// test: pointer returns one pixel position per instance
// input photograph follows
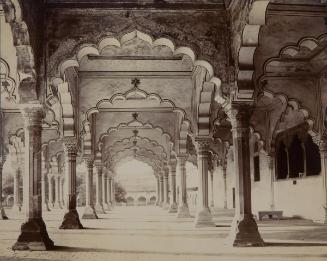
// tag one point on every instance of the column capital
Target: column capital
(270, 161)
(70, 146)
(181, 158)
(203, 145)
(240, 114)
(89, 162)
(172, 166)
(33, 114)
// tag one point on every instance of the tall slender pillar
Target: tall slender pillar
(244, 229)
(224, 169)
(271, 164)
(89, 211)
(212, 203)
(162, 191)
(34, 235)
(62, 191)
(158, 191)
(173, 200)
(104, 190)
(203, 215)
(166, 189)
(45, 206)
(109, 195)
(3, 215)
(51, 189)
(71, 218)
(98, 186)
(183, 210)
(323, 157)
(17, 197)
(57, 203)
(113, 192)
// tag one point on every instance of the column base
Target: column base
(45, 207)
(3, 215)
(16, 208)
(244, 233)
(89, 213)
(157, 203)
(165, 206)
(183, 212)
(204, 218)
(99, 209)
(173, 208)
(33, 236)
(71, 220)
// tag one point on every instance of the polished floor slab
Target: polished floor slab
(150, 233)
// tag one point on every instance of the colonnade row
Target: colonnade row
(34, 236)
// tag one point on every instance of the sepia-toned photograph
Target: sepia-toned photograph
(163, 130)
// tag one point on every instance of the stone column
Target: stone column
(158, 191)
(113, 199)
(104, 190)
(162, 191)
(212, 203)
(109, 180)
(34, 235)
(323, 156)
(98, 186)
(51, 196)
(71, 218)
(166, 189)
(45, 206)
(203, 216)
(62, 194)
(89, 211)
(57, 203)
(173, 200)
(271, 164)
(3, 215)
(224, 169)
(17, 197)
(183, 210)
(244, 229)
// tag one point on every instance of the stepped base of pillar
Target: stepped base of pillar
(204, 218)
(183, 212)
(16, 208)
(33, 236)
(71, 220)
(3, 215)
(244, 232)
(45, 207)
(89, 213)
(99, 209)
(173, 208)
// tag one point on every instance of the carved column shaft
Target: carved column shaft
(17, 196)
(323, 156)
(271, 164)
(183, 210)
(166, 189)
(244, 230)
(158, 190)
(89, 211)
(173, 199)
(162, 190)
(2, 211)
(109, 190)
(224, 169)
(104, 189)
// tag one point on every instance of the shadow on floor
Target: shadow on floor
(235, 254)
(294, 244)
(7, 258)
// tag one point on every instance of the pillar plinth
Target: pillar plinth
(173, 200)
(183, 210)
(244, 231)
(203, 216)
(71, 218)
(34, 235)
(89, 211)
(3, 215)
(98, 186)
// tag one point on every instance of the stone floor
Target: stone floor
(149, 233)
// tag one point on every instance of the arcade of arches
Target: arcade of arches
(237, 89)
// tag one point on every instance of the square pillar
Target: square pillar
(104, 190)
(98, 186)
(244, 230)
(17, 196)
(323, 158)
(183, 211)
(109, 181)
(34, 235)
(203, 216)
(158, 190)
(173, 199)
(71, 218)
(3, 215)
(89, 211)
(166, 189)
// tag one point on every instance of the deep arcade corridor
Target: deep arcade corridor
(224, 102)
